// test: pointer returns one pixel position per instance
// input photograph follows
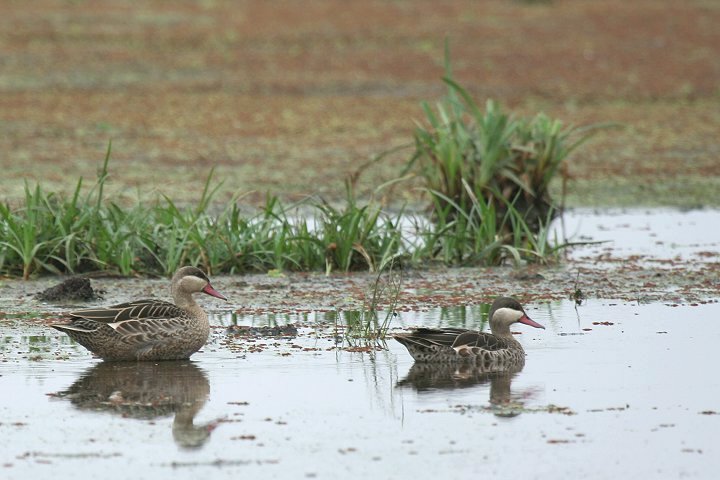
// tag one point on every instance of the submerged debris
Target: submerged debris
(289, 330)
(74, 288)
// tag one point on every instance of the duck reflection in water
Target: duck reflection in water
(147, 391)
(431, 377)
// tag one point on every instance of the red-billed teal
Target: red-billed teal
(147, 329)
(496, 350)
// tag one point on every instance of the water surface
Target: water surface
(609, 389)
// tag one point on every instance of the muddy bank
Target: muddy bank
(421, 289)
(666, 256)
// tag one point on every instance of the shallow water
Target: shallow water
(593, 400)
(653, 234)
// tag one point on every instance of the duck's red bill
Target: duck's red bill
(527, 321)
(211, 291)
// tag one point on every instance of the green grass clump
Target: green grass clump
(459, 236)
(500, 158)
(53, 234)
(358, 237)
(488, 175)
(48, 233)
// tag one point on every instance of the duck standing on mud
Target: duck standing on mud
(147, 329)
(496, 350)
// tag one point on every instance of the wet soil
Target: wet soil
(73, 288)
(644, 256)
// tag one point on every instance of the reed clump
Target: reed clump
(487, 174)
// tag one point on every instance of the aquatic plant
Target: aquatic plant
(488, 174)
(372, 321)
(358, 237)
(50, 233)
(22, 243)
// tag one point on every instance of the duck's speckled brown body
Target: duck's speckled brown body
(147, 329)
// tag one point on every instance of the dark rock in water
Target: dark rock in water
(74, 288)
(526, 276)
(277, 331)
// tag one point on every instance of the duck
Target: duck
(494, 351)
(150, 329)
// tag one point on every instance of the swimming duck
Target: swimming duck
(496, 350)
(147, 329)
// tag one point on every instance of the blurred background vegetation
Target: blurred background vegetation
(291, 97)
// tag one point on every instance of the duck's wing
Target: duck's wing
(149, 332)
(140, 321)
(138, 310)
(485, 341)
(438, 337)
(451, 337)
